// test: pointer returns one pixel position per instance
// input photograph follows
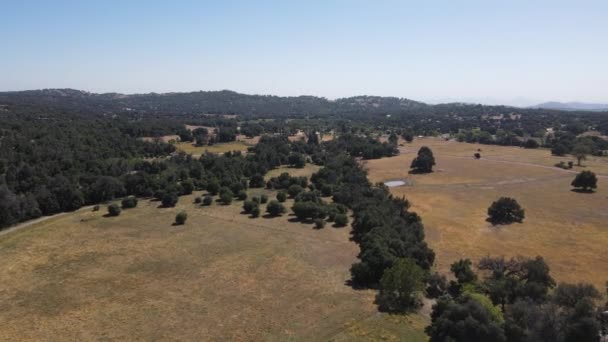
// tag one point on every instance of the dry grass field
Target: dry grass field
(190, 148)
(569, 229)
(221, 276)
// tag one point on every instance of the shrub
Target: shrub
(207, 200)
(114, 209)
(477, 155)
(181, 217)
(198, 200)
(505, 210)
(341, 220)
(226, 197)
(169, 199)
(248, 206)
(242, 195)
(96, 207)
(129, 202)
(256, 199)
(255, 212)
(275, 208)
(263, 198)
(281, 196)
(319, 223)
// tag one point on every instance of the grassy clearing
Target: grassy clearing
(567, 228)
(190, 148)
(307, 171)
(221, 276)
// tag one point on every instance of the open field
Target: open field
(569, 229)
(221, 276)
(190, 148)
(307, 171)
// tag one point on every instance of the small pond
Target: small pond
(394, 183)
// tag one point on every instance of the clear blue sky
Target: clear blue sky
(514, 52)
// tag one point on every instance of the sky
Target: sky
(493, 52)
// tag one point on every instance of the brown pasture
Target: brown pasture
(569, 229)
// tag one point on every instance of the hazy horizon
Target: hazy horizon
(515, 53)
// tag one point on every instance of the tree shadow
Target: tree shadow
(418, 172)
(583, 191)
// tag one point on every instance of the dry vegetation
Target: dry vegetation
(567, 228)
(190, 148)
(221, 276)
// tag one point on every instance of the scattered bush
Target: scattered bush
(477, 155)
(207, 200)
(255, 212)
(242, 195)
(169, 199)
(129, 202)
(226, 197)
(96, 207)
(281, 196)
(181, 217)
(198, 200)
(249, 205)
(114, 209)
(319, 223)
(275, 208)
(263, 198)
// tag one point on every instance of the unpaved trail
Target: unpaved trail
(26, 224)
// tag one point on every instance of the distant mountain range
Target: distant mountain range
(573, 106)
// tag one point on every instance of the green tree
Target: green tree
(341, 220)
(580, 152)
(226, 197)
(586, 180)
(274, 208)
(424, 162)
(463, 272)
(463, 320)
(281, 196)
(169, 199)
(400, 286)
(294, 190)
(181, 217)
(114, 209)
(505, 210)
(207, 200)
(129, 202)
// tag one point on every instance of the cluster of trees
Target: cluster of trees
(364, 147)
(515, 300)
(382, 225)
(51, 166)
